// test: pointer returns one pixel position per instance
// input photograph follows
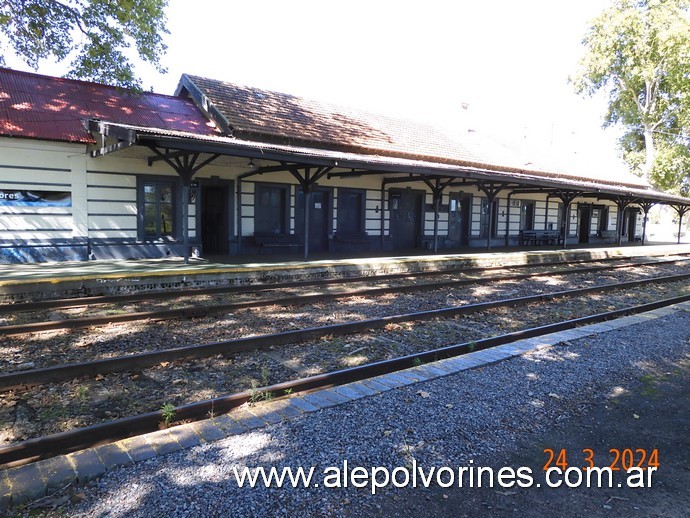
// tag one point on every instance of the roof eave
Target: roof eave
(383, 164)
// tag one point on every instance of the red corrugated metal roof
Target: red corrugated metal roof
(51, 108)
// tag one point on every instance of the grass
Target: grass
(257, 396)
(649, 385)
(81, 393)
(265, 375)
(168, 413)
(333, 344)
(54, 413)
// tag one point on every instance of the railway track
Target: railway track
(35, 448)
(44, 447)
(113, 340)
(46, 375)
(198, 311)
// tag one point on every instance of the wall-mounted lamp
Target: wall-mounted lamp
(251, 163)
(377, 209)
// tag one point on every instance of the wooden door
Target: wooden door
(214, 220)
(406, 218)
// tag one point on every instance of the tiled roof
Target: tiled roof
(255, 114)
(51, 108)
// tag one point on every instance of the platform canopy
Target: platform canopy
(174, 144)
(287, 133)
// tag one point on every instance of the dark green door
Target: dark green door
(214, 220)
(319, 219)
(459, 206)
(406, 218)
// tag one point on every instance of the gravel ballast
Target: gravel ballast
(44, 410)
(469, 417)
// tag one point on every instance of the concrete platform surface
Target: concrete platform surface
(34, 281)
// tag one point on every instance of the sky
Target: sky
(507, 61)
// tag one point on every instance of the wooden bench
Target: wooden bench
(266, 241)
(540, 237)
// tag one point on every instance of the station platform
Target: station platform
(36, 281)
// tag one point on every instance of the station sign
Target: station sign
(35, 198)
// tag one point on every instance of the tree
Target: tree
(95, 34)
(638, 51)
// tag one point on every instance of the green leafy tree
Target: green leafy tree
(94, 34)
(638, 51)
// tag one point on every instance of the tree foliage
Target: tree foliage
(94, 34)
(638, 51)
(671, 168)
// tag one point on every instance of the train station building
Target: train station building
(89, 172)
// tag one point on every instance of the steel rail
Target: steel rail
(43, 447)
(76, 302)
(45, 375)
(217, 309)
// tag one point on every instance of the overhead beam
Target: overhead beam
(167, 155)
(116, 132)
(123, 144)
(354, 173)
(125, 137)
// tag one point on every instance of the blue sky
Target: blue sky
(508, 60)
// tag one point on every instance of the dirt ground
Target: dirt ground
(652, 413)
